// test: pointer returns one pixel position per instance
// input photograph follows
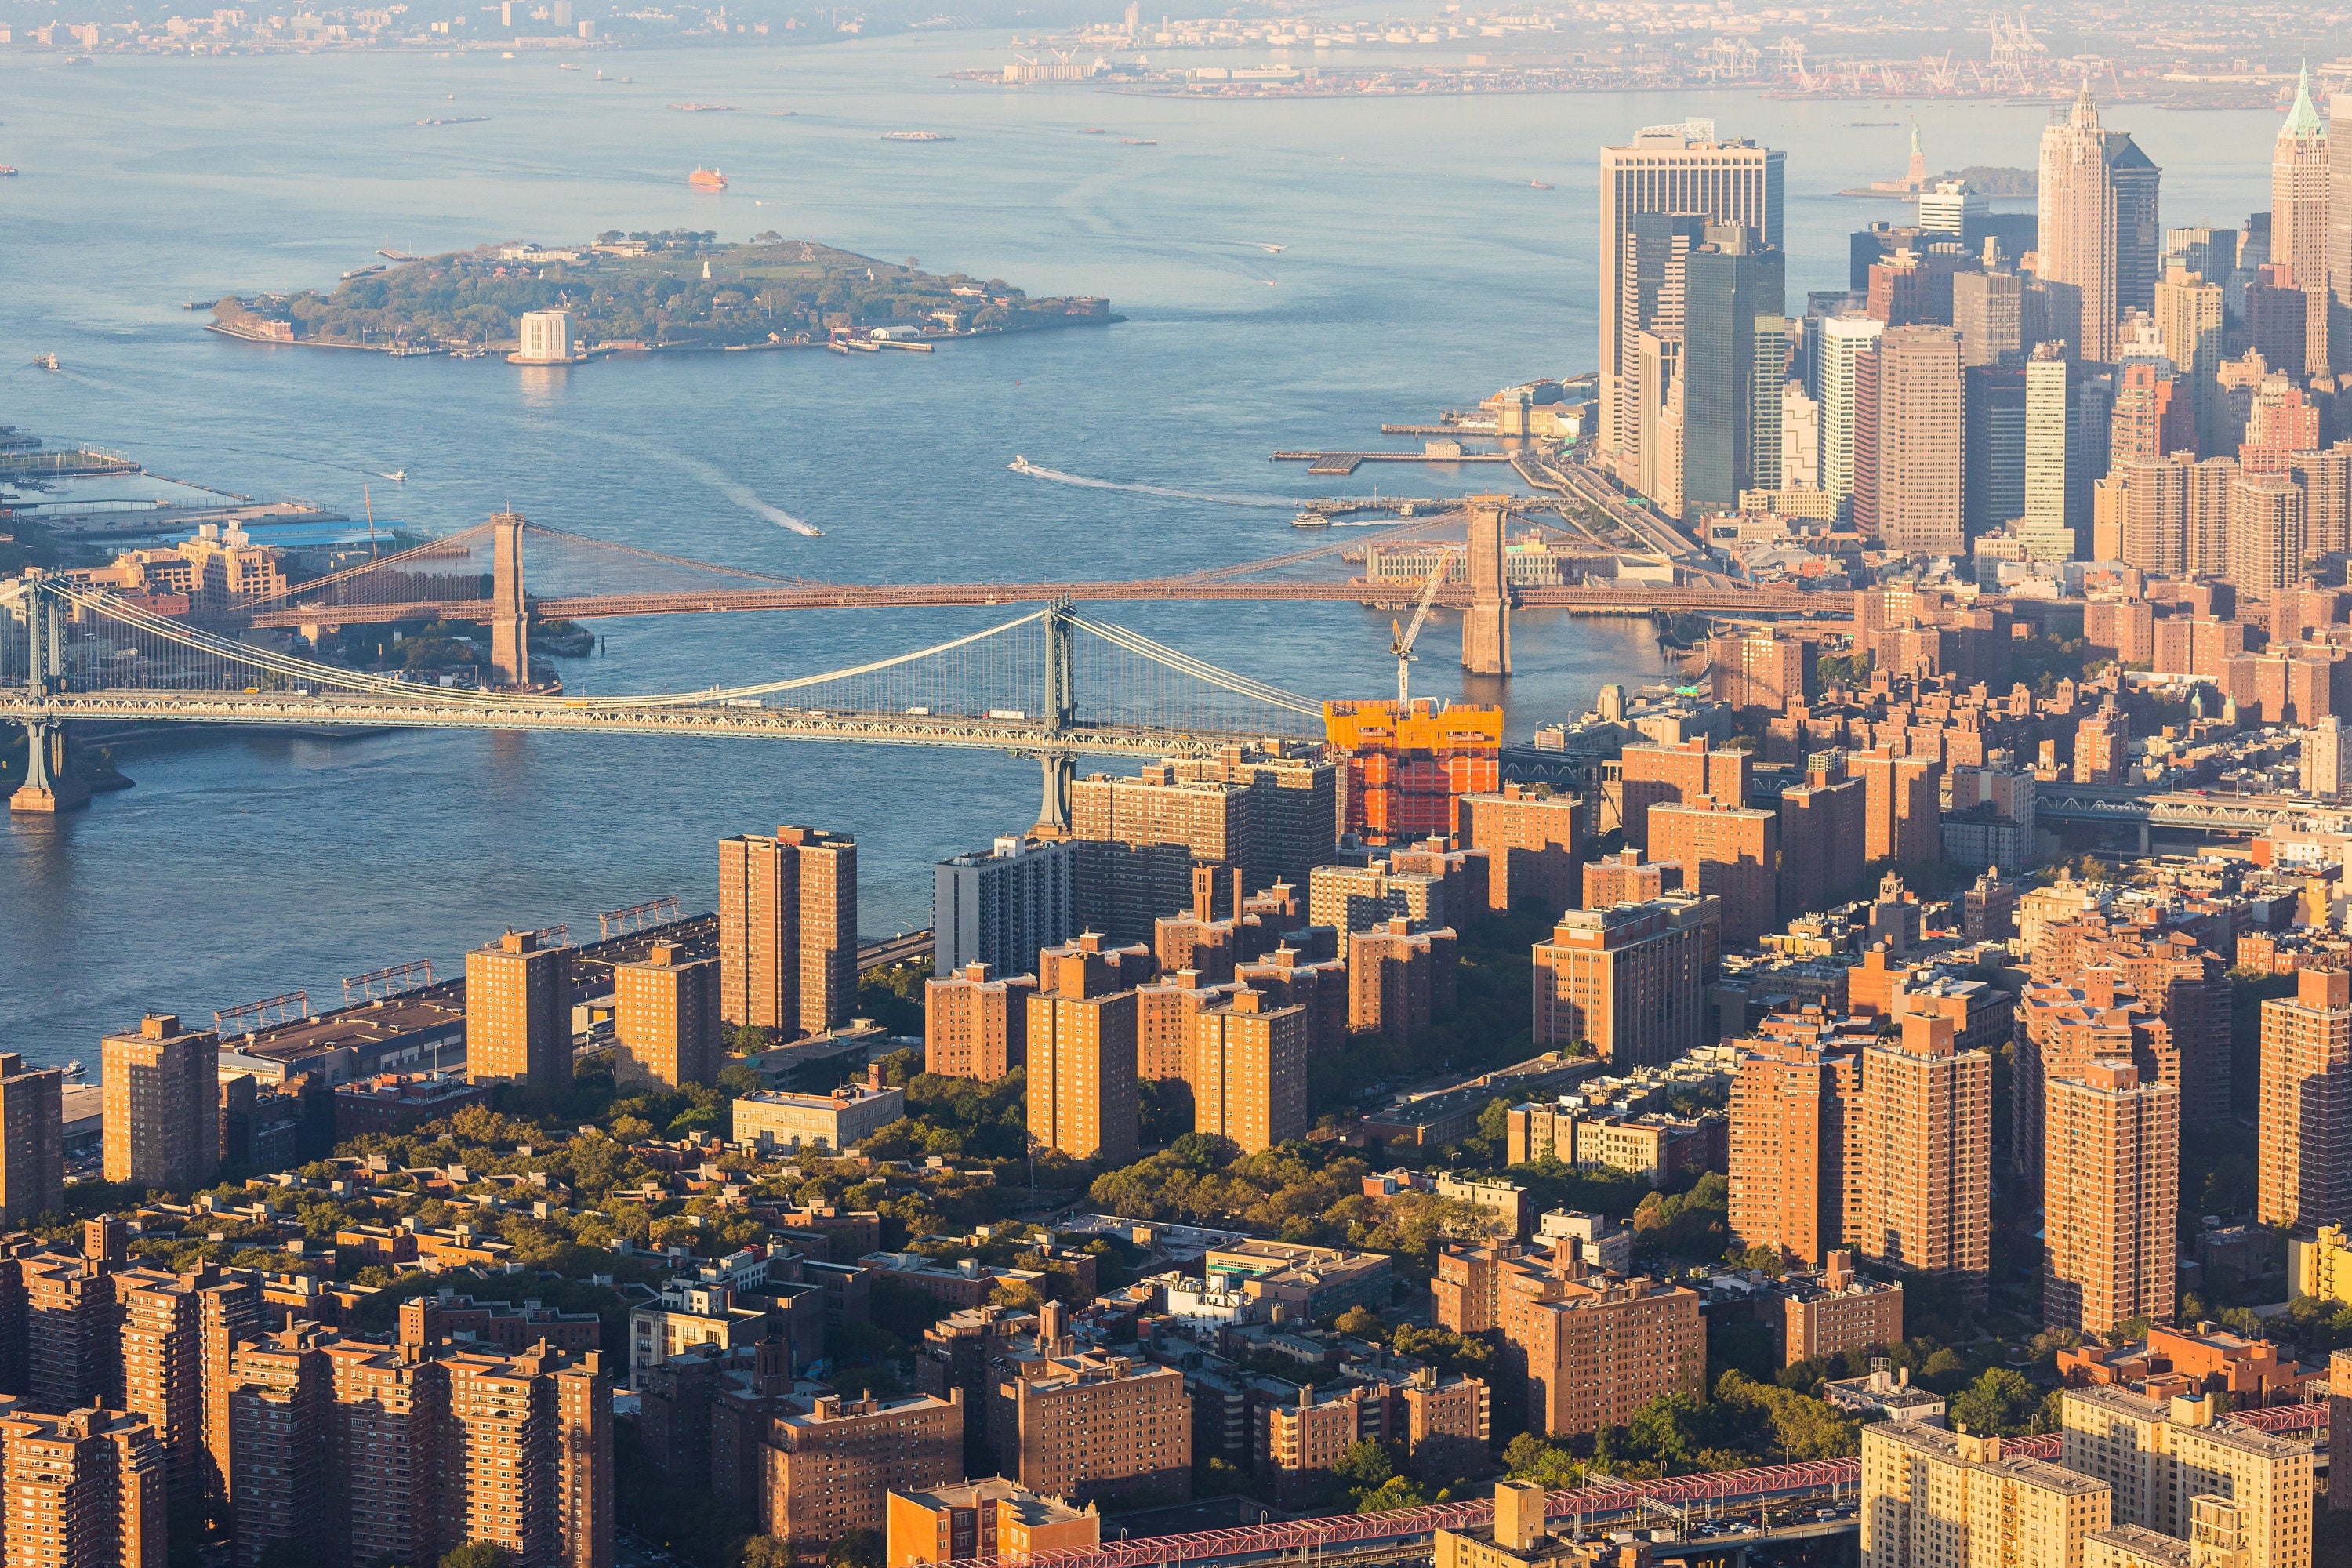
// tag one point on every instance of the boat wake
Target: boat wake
(1059, 478)
(742, 495)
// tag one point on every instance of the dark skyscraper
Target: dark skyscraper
(1729, 284)
(1993, 490)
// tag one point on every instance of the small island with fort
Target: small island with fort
(676, 291)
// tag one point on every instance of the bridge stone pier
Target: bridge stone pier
(1486, 620)
(49, 784)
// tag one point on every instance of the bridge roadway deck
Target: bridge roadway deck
(2180, 809)
(1630, 599)
(590, 715)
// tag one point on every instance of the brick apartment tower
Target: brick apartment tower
(1759, 673)
(2303, 1156)
(1792, 1129)
(2111, 1195)
(976, 1026)
(32, 1140)
(1677, 775)
(85, 1490)
(1625, 879)
(530, 1456)
(1920, 1195)
(788, 930)
(73, 1334)
(390, 1429)
(162, 1097)
(161, 1364)
(1821, 837)
(829, 1471)
(1398, 978)
(1093, 1426)
(1249, 1072)
(665, 1018)
(1901, 812)
(519, 1013)
(1732, 856)
(1630, 980)
(1487, 622)
(1534, 844)
(281, 1411)
(1082, 1093)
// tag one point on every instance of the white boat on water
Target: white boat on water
(1019, 465)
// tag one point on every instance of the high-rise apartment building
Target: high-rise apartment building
(1081, 1057)
(1792, 1124)
(530, 1456)
(1900, 803)
(1732, 856)
(829, 1471)
(1932, 1498)
(160, 1091)
(1090, 1425)
(1628, 979)
(161, 1364)
(665, 1022)
(1003, 905)
(1843, 341)
(2304, 1156)
(1534, 844)
(1760, 673)
(2300, 235)
(1669, 169)
(519, 1012)
(85, 1490)
(1822, 828)
(788, 930)
(73, 1332)
(2053, 524)
(390, 1430)
(2189, 321)
(1249, 1071)
(1398, 978)
(2167, 1459)
(1913, 501)
(1920, 1191)
(32, 1140)
(2326, 758)
(281, 1411)
(2111, 1195)
(975, 1025)
(1685, 774)
(2266, 533)
(1594, 1348)
(1298, 792)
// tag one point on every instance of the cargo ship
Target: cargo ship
(704, 179)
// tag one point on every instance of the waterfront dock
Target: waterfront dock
(1349, 462)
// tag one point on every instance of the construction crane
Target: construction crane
(1401, 641)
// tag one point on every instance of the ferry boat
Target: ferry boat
(704, 179)
(1311, 519)
(7, 170)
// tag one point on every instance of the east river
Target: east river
(1419, 268)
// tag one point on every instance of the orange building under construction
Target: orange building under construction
(1407, 767)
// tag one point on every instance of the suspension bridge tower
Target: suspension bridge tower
(510, 616)
(1486, 623)
(1060, 711)
(50, 785)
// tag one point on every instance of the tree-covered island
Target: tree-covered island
(679, 289)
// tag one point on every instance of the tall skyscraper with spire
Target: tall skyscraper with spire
(2299, 216)
(2100, 233)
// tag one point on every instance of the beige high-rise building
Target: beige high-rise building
(2049, 530)
(665, 1018)
(1683, 169)
(788, 930)
(2188, 320)
(1919, 424)
(1249, 1071)
(2266, 533)
(1081, 1048)
(519, 1013)
(2304, 1154)
(1938, 1498)
(2111, 1196)
(2162, 1459)
(1920, 1189)
(32, 1140)
(2153, 498)
(2299, 216)
(160, 1092)
(1843, 341)
(2076, 244)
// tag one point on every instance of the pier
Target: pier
(1349, 462)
